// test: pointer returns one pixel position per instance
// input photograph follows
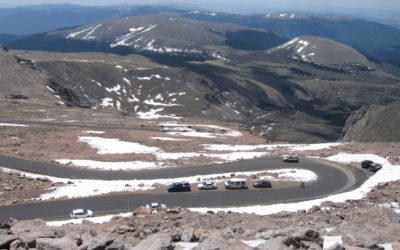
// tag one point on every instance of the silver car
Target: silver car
(207, 185)
(81, 213)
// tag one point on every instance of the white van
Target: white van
(236, 184)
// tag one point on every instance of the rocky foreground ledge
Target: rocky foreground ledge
(362, 224)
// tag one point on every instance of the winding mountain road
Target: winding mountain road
(331, 179)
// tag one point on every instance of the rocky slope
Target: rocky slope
(293, 92)
(351, 222)
(373, 123)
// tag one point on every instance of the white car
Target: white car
(156, 205)
(236, 184)
(207, 185)
(81, 213)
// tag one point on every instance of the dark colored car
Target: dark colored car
(291, 158)
(375, 167)
(179, 187)
(262, 184)
(366, 163)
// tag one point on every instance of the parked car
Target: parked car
(366, 163)
(81, 213)
(179, 187)
(207, 185)
(156, 205)
(372, 166)
(263, 183)
(375, 167)
(291, 158)
(236, 184)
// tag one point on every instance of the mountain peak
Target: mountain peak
(322, 51)
(3, 48)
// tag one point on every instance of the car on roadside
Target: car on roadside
(236, 184)
(372, 166)
(179, 187)
(156, 206)
(366, 163)
(207, 185)
(375, 167)
(262, 183)
(81, 213)
(291, 158)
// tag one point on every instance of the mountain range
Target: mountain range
(169, 66)
(366, 36)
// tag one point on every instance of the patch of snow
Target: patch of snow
(12, 125)
(186, 245)
(330, 229)
(153, 103)
(94, 132)
(52, 90)
(253, 243)
(153, 114)
(107, 102)
(392, 205)
(292, 147)
(386, 246)
(90, 30)
(168, 139)
(330, 241)
(304, 43)
(96, 219)
(104, 165)
(127, 81)
(147, 78)
(115, 89)
(87, 36)
(115, 146)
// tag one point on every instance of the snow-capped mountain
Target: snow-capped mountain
(322, 52)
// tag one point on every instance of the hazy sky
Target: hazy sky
(244, 5)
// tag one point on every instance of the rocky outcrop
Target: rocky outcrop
(373, 123)
(55, 244)
(31, 230)
(155, 241)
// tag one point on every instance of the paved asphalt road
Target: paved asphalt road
(331, 180)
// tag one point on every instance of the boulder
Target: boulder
(176, 235)
(308, 235)
(188, 235)
(216, 243)
(142, 212)
(55, 244)
(361, 228)
(272, 244)
(156, 242)
(30, 230)
(16, 245)
(6, 239)
(268, 234)
(100, 243)
(311, 245)
(119, 244)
